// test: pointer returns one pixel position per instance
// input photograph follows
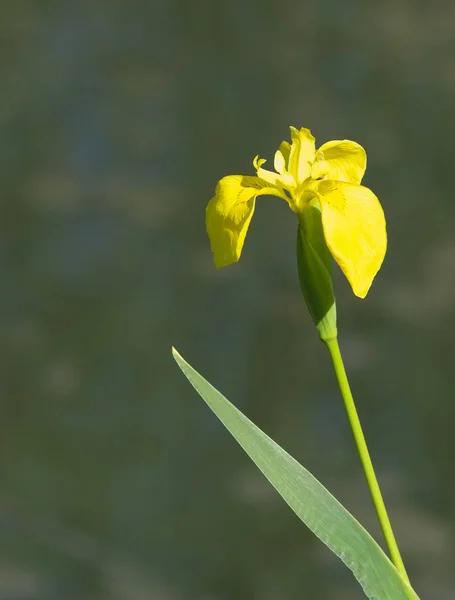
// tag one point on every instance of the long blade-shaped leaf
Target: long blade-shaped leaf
(308, 498)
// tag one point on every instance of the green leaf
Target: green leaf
(308, 498)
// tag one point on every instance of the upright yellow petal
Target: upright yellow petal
(355, 231)
(281, 162)
(340, 160)
(229, 213)
(301, 155)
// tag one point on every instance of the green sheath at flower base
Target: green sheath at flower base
(315, 266)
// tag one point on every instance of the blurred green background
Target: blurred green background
(117, 119)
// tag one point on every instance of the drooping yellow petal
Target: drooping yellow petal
(229, 213)
(301, 155)
(340, 160)
(354, 230)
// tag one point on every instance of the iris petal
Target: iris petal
(301, 155)
(229, 213)
(281, 162)
(340, 160)
(269, 176)
(355, 231)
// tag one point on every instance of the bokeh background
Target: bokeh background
(116, 121)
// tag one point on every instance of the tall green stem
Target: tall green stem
(362, 448)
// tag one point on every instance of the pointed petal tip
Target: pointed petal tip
(361, 288)
(360, 293)
(225, 260)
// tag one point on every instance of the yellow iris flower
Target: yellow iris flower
(328, 179)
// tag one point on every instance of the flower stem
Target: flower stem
(362, 449)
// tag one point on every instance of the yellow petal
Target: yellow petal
(229, 213)
(340, 160)
(268, 176)
(282, 158)
(355, 231)
(302, 152)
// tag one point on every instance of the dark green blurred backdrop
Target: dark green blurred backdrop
(116, 121)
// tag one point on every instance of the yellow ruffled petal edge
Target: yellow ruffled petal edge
(355, 231)
(229, 213)
(340, 160)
